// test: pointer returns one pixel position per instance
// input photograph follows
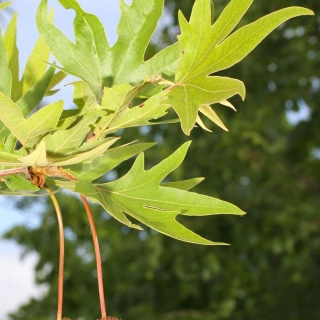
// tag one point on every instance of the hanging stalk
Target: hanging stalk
(61, 251)
(98, 257)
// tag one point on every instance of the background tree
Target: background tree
(267, 165)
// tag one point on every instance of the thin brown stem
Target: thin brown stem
(61, 252)
(9, 172)
(98, 257)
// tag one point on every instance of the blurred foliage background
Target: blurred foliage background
(268, 164)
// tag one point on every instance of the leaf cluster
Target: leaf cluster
(118, 89)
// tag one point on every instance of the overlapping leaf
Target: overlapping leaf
(139, 195)
(29, 131)
(94, 61)
(69, 140)
(97, 167)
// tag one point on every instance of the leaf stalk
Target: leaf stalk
(98, 257)
(61, 252)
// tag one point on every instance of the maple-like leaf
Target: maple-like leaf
(93, 60)
(207, 48)
(140, 195)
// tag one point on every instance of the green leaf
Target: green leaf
(89, 145)
(99, 166)
(92, 59)
(83, 97)
(37, 158)
(18, 183)
(32, 98)
(153, 108)
(228, 20)
(10, 42)
(244, 40)
(5, 79)
(84, 59)
(4, 132)
(29, 131)
(56, 79)
(77, 158)
(199, 37)
(135, 29)
(10, 160)
(182, 185)
(186, 98)
(5, 4)
(203, 51)
(36, 65)
(208, 112)
(139, 195)
(68, 117)
(117, 98)
(165, 63)
(64, 141)
(116, 101)
(7, 146)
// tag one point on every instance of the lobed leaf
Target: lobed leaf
(203, 51)
(187, 97)
(243, 41)
(92, 59)
(84, 58)
(136, 27)
(139, 195)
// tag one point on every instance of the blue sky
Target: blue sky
(16, 276)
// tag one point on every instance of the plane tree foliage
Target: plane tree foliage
(150, 276)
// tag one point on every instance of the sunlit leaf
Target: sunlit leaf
(36, 65)
(64, 141)
(139, 195)
(5, 79)
(203, 51)
(77, 158)
(36, 158)
(29, 131)
(182, 185)
(94, 169)
(34, 95)
(10, 42)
